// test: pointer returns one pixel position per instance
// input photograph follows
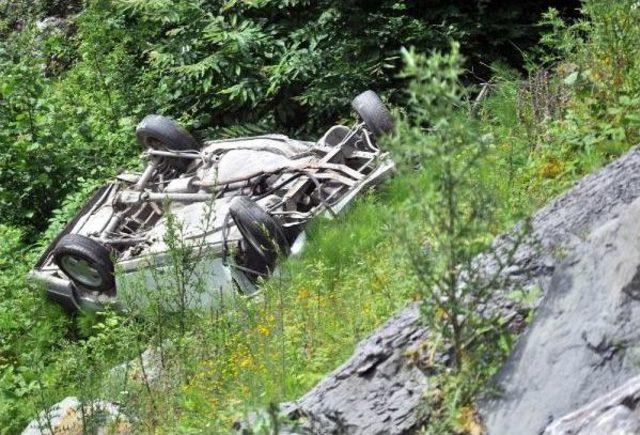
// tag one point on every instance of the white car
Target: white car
(238, 203)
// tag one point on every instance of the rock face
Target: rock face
(615, 413)
(379, 390)
(585, 338)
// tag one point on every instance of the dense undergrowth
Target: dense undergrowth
(574, 109)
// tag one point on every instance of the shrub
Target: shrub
(601, 68)
(453, 221)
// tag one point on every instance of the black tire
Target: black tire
(264, 237)
(164, 134)
(93, 266)
(373, 112)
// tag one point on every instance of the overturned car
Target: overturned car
(244, 202)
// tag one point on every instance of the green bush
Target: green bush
(600, 67)
(57, 129)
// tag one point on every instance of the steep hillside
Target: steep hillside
(70, 106)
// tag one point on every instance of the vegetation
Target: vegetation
(71, 96)
(72, 91)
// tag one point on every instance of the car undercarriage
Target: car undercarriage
(243, 201)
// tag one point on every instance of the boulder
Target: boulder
(615, 412)
(52, 24)
(583, 341)
(145, 369)
(378, 391)
(71, 417)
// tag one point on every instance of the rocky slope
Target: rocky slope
(584, 340)
(578, 348)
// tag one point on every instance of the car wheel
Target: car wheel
(373, 112)
(87, 262)
(164, 134)
(264, 238)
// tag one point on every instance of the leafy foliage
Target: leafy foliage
(53, 130)
(453, 221)
(459, 209)
(604, 72)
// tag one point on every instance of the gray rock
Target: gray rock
(582, 341)
(147, 368)
(380, 389)
(52, 24)
(617, 412)
(70, 417)
(105, 417)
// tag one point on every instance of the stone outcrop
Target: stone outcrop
(585, 339)
(379, 390)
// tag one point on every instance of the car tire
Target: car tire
(164, 134)
(86, 262)
(374, 113)
(264, 238)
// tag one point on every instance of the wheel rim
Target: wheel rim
(81, 270)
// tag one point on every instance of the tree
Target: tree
(439, 136)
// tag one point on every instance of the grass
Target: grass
(274, 348)
(352, 276)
